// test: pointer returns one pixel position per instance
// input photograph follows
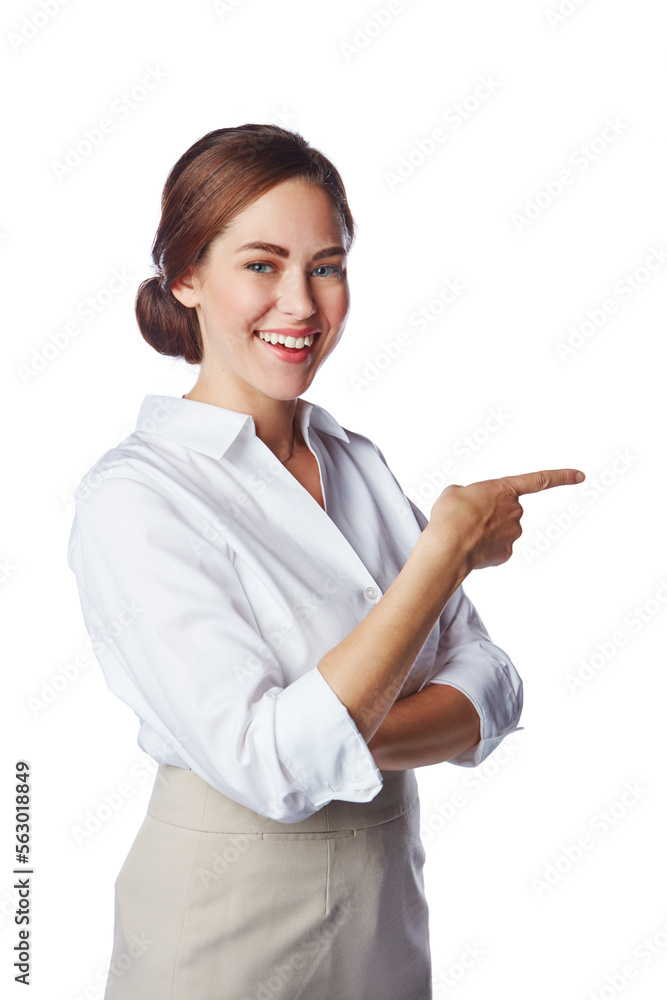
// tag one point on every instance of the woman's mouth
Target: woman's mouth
(285, 347)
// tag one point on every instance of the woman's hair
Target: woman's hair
(215, 179)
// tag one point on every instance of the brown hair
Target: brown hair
(215, 179)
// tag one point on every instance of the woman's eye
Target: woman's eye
(256, 264)
(338, 270)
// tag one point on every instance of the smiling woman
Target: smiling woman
(236, 194)
(304, 640)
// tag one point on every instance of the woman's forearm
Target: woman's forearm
(434, 724)
(368, 668)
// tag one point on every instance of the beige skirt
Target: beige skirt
(215, 902)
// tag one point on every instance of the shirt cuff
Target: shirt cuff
(498, 698)
(320, 745)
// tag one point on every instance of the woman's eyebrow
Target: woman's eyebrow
(278, 251)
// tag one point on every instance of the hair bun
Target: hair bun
(169, 327)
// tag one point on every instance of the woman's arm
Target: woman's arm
(428, 727)
(471, 527)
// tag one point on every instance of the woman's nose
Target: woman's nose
(295, 296)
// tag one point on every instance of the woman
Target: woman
(289, 628)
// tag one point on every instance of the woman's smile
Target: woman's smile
(288, 345)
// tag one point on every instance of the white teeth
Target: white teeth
(279, 338)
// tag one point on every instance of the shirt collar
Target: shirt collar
(211, 429)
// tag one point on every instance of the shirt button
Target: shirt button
(371, 593)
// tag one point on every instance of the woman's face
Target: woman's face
(293, 283)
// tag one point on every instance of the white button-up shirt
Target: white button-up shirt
(212, 583)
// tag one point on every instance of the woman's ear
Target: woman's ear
(186, 288)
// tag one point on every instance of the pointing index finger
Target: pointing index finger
(534, 482)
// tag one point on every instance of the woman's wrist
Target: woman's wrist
(448, 550)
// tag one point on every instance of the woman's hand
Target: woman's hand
(482, 519)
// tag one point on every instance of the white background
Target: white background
(499, 881)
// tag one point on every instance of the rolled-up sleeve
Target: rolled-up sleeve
(467, 659)
(175, 635)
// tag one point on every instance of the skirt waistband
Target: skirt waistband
(181, 797)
